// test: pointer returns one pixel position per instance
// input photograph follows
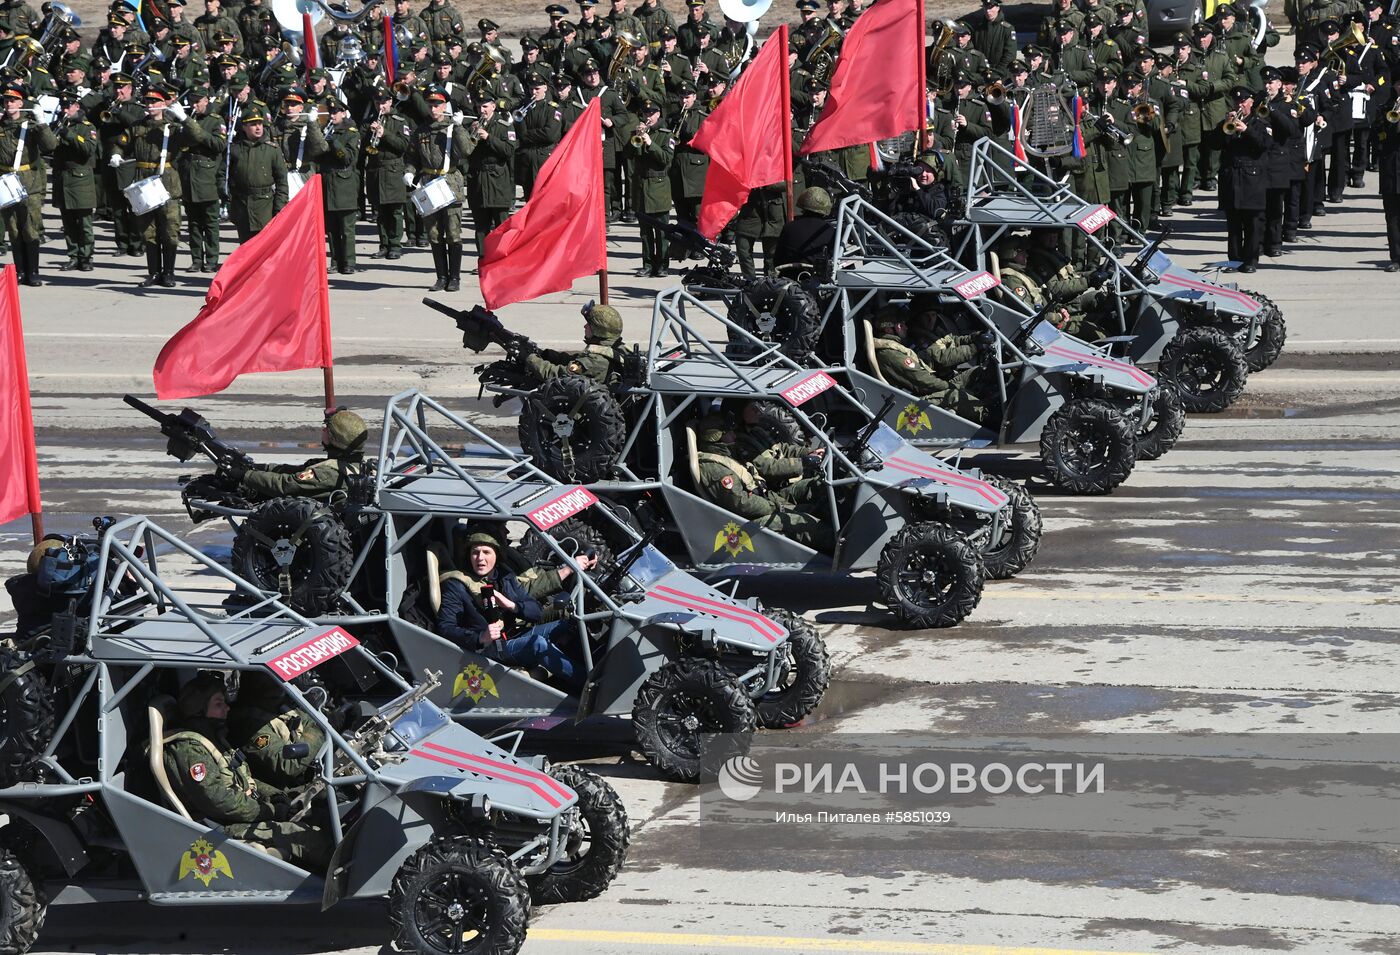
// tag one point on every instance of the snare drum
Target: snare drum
(295, 182)
(146, 195)
(433, 196)
(12, 191)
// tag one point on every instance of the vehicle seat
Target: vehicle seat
(692, 456)
(994, 261)
(867, 337)
(158, 713)
(431, 568)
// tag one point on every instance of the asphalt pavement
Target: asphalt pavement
(1243, 584)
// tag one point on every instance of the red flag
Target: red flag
(560, 233)
(739, 137)
(268, 309)
(877, 91)
(19, 464)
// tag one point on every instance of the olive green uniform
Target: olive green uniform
(154, 147)
(315, 478)
(384, 185)
(23, 145)
(599, 361)
(538, 132)
(689, 167)
(761, 218)
(1072, 293)
(75, 189)
(777, 462)
(902, 367)
(212, 780)
(114, 122)
(735, 487)
(651, 193)
(340, 184)
(491, 177)
(1209, 84)
(201, 167)
(257, 185)
(263, 735)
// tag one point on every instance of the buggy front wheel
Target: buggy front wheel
(1007, 556)
(930, 576)
(682, 703)
(1089, 446)
(1165, 421)
(803, 676)
(21, 906)
(596, 848)
(1207, 366)
(459, 895)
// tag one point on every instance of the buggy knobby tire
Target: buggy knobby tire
(1020, 536)
(21, 906)
(322, 558)
(681, 703)
(1089, 446)
(487, 890)
(924, 227)
(777, 419)
(596, 850)
(26, 717)
(1268, 341)
(803, 678)
(1168, 418)
(779, 310)
(573, 429)
(930, 576)
(538, 553)
(1207, 367)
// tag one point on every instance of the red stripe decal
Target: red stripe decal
(689, 605)
(760, 619)
(1200, 286)
(985, 490)
(547, 779)
(535, 787)
(1132, 371)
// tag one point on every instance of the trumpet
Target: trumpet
(1234, 124)
(520, 112)
(995, 93)
(639, 135)
(402, 90)
(1146, 114)
(1106, 125)
(1262, 111)
(1392, 116)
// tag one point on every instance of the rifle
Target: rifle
(480, 328)
(857, 449)
(367, 742)
(190, 434)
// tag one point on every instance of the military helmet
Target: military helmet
(815, 199)
(712, 428)
(40, 549)
(258, 687)
(195, 695)
(888, 317)
(345, 431)
(470, 535)
(605, 322)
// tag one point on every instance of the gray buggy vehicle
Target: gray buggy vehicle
(1094, 416)
(458, 834)
(930, 531)
(1204, 336)
(678, 657)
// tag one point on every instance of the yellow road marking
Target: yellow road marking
(781, 943)
(1130, 595)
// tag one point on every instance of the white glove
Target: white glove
(458, 119)
(115, 161)
(408, 179)
(176, 112)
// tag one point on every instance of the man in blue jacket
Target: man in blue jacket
(483, 606)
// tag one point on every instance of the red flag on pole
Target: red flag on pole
(743, 137)
(561, 232)
(308, 44)
(877, 91)
(19, 463)
(268, 309)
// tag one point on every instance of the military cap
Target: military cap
(253, 114)
(890, 316)
(100, 64)
(222, 37)
(990, 3)
(435, 94)
(589, 66)
(1064, 26)
(442, 59)
(475, 49)
(1305, 53)
(694, 3)
(808, 5)
(175, 3)
(686, 88)
(1202, 29)
(647, 106)
(1330, 25)
(566, 29)
(473, 535)
(1132, 78)
(179, 40)
(121, 6)
(228, 59)
(562, 80)
(665, 33)
(964, 79)
(1123, 9)
(198, 93)
(337, 106)
(383, 94)
(534, 78)
(1375, 4)
(454, 41)
(1019, 65)
(960, 28)
(528, 43)
(1144, 52)
(156, 92)
(158, 23)
(587, 3)
(1289, 74)
(1241, 93)
(294, 94)
(78, 61)
(1031, 50)
(1103, 74)
(13, 91)
(1225, 10)
(1181, 40)
(486, 26)
(113, 20)
(1269, 74)
(196, 694)
(715, 79)
(121, 79)
(556, 10)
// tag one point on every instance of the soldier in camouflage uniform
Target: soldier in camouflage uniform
(257, 177)
(734, 486)
(201, 167)
(340, 183)
(490, 176)
(902, 367)
(765, 450)
(1075, 299)
(23, 144)
(75, 182)
(262, 725)
(601, 358)
(344, 440)
(440, 148)
(212, 780)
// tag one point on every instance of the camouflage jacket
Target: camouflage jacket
(211, 777)
(314, 478)
(262, 735)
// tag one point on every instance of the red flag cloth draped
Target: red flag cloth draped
(268, 308)
(877, 91)
(561, 232)
(19, 464)
(743, 137)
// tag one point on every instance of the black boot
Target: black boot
(167, 271)
(31, 278)
(440, 265)
(454, 267)
(152, 266)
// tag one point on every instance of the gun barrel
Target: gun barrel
(155, 414)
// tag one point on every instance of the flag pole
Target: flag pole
(603, 230)
(328, 369)
(921, 89)
(786, 93)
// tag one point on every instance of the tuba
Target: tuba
(288, 13)
(820, 57)
(626, 43)
(748, 13)
(59, 15)
(1335, 59)
(942, 68)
